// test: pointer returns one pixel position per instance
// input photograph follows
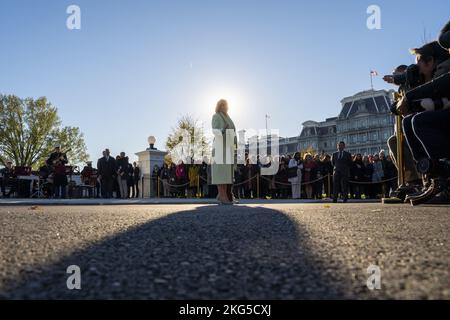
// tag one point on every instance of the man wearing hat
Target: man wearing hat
(6, 174)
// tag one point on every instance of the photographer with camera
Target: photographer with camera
(426, 128)
(409, 180)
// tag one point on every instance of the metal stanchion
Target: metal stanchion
(198, 187)
(398, 196)
(158, 192)
(257, 185)
(329, 185)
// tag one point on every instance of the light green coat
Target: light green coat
(222, 173)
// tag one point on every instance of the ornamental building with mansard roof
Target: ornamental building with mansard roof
(364, 124)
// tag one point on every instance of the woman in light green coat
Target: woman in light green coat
(222, 168)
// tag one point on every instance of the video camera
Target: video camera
(411, 78)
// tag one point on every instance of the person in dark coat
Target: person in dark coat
(281, 180)
(106, 167)
(327, 170)
(58, 161)
(136, 175)
(130, 181)
(342, 162)
(203, 173)
(369, 187)
(358, 172)
(7, 174)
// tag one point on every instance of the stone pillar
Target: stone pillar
(147, 160)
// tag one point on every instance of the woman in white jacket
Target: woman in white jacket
(296, 181)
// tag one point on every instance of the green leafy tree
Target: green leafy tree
(29, 130)
(188, 137)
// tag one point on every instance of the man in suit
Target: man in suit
(342, 162)
(106, 167)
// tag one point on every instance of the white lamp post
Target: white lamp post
(151, 141)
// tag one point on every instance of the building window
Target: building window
(374, 136)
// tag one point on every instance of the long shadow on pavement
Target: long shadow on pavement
(210, 252)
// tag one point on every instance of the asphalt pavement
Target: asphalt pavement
(248, 251)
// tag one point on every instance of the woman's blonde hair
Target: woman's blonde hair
(222, 106)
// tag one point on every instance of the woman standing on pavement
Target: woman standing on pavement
(223, 152)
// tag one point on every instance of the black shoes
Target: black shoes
(441, 198)
(437, 187)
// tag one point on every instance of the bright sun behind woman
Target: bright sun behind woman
(236, 101)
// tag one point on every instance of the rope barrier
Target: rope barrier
(369, 182)
(266, 178)
(309, 182)
(288, 184)
(175, 185)
(178, 185)
(314, 181)
(246, 181)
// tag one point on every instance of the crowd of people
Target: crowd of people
(114, 177)
(299, 176)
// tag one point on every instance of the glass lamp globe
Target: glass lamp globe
(151, 140)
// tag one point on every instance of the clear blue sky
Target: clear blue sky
(136, 66)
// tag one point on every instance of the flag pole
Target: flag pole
(371, 80)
